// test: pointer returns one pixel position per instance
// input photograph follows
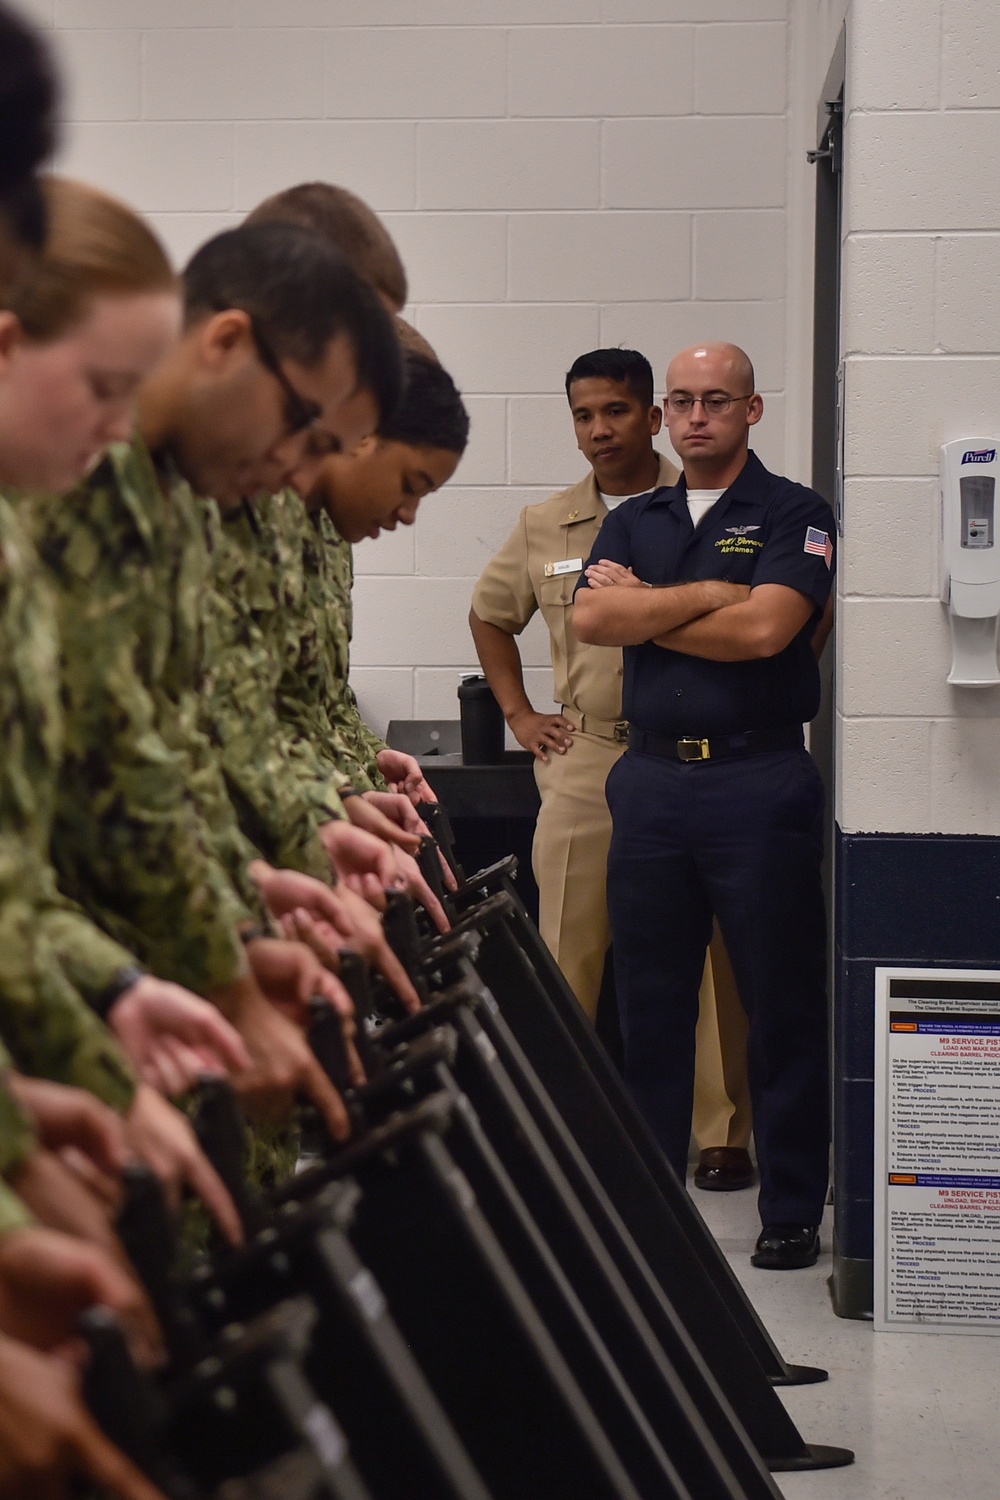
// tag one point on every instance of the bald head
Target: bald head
(724, 365)
(711, 406)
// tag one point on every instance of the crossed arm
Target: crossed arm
(709, 618)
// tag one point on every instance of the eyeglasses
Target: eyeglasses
(300, 412)
(713, 406)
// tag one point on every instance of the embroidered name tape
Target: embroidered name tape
(557, 569)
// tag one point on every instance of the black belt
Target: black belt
(719, 747)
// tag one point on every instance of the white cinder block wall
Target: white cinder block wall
(559, 174)
(921, 336)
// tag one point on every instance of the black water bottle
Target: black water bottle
(482, 723)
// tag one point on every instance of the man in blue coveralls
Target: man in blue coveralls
(715, 587)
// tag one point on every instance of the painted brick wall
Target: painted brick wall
(921, 334)
(559, 174)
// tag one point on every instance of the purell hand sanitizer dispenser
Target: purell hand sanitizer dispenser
(970, 558)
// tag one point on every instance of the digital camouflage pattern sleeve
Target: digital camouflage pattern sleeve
(43, 1019)
(17, 1133)
(314, 695)
(130, 843)
(283, 789)
(34, 739)
(45, 1022)
(178, 689)
(302, 635)
(335, 572)
(13, 1213)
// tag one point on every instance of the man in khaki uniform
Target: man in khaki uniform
(611, 398)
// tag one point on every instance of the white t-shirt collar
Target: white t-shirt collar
(700, 502)
(613, 501)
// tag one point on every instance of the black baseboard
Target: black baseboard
(852, 1287)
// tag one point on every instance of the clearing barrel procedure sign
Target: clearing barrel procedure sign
(937, 1150)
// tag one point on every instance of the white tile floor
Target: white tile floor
(921, 1411)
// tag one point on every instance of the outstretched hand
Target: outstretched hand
(404, 774)
(284, 1066)
(356, 926)
(48, 1441)
(290, 974)
(47, 1279)
(414, 884)
(66, 1117)
(163, 1138)
(363, 862)
(173, 1037)
(367, 814)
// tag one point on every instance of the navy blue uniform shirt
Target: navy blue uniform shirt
(764, 529)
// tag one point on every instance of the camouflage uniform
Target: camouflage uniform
(282, 789)
(45, 941)
(295, 634)
(299, 633)
(13, 1214)
(152, 808)
(336, 575)
(17, 1134)
(306, 618)
(144, 835)
(17, 1142)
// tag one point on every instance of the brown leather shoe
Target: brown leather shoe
(724, 1169)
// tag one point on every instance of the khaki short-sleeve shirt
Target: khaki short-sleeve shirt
(537, 568)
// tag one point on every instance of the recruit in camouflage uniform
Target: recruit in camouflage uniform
(273, 578)
(305, 574)
(144, 837)
(337, 580)
(301, 631)
(300, 791)
(45, 942)
(170, 809)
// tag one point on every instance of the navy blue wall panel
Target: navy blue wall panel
(928, 901)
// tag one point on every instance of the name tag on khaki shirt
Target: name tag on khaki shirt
(557, 569)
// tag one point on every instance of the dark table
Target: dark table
(493, 811)
(492, 808)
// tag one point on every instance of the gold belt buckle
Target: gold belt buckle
(693, 750)
(621, 731)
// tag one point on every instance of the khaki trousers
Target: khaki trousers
(570, 857)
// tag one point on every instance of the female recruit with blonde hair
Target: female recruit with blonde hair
(81, 326)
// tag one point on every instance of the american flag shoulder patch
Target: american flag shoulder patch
(818, 544)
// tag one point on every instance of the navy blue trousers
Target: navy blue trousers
(742, 838)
